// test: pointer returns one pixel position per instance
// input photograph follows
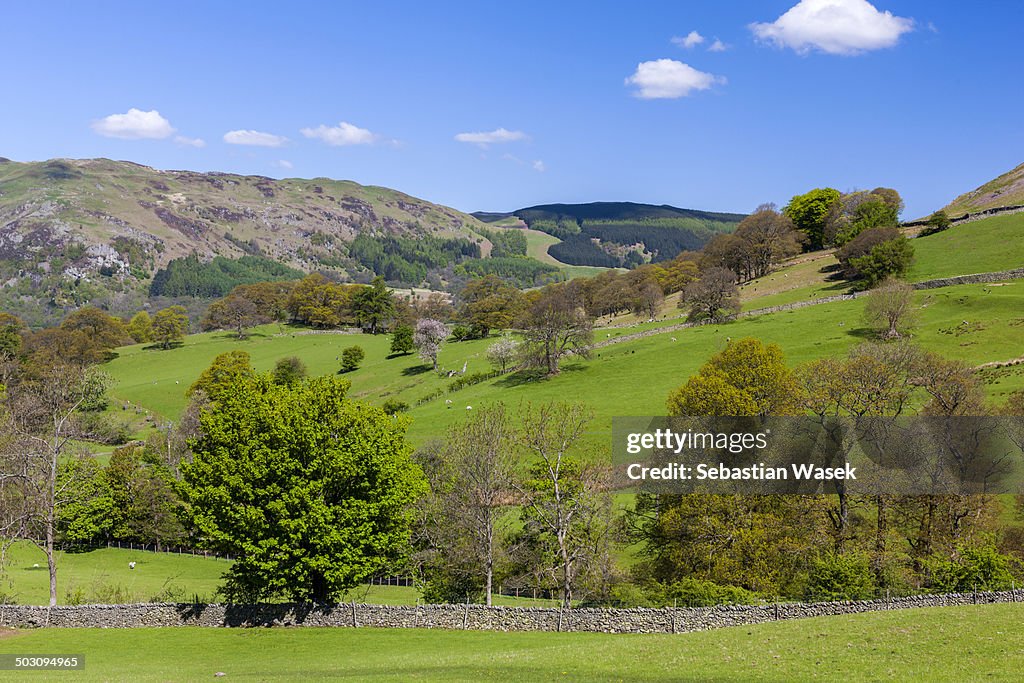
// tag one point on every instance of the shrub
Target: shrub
(469, 380)
(462, 333)
(983, 568)
(703, 593)
(840, 577)
(891, 258)
(393, 406)
(937, 222)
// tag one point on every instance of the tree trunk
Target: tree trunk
(51, 561)
(880, 533)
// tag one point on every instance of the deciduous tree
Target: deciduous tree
(311, 492)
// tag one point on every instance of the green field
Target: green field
(984, 246)
(103, 576)
(936, 644)
(974, 323)
(537, 244)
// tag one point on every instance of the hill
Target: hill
(1006, 190)
(617, 234)
(73, 231)
(634, 377)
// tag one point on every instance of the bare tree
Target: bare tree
(714, 297)
(890, 308)
(565, 500)
(769, 237)
(39, 425)
(483, 458)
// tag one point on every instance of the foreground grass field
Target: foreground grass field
(937, 644)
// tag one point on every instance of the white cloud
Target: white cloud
(539, 166)
(495, 136)
(341, 135)
(134, 125)
(254, 138)
(669, 79)
(717, 46)
(198, 143)
(838, 27)
(285, 164)
(690, 40)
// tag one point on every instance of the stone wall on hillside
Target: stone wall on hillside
(469, 617)
(970, 217)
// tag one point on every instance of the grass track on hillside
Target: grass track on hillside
(935, 644)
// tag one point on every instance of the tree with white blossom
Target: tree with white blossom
(428, 338)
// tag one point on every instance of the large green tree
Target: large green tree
(226, 373)
(374, 306)
(747, 378)
(310, 491)
(170, 325)
(810, 212)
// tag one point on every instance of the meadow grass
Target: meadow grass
(934, 644)
(104, 575)
(985, 246)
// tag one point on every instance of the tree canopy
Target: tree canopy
(310, 491)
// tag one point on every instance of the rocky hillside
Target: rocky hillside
(72, 230)
(1006, 190)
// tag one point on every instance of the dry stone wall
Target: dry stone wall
(471, 617)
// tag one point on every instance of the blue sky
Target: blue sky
(571, 101)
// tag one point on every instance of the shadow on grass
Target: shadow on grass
(160, 346)
(416, 370)
(865, 333)
(522, 377)
(392, 356)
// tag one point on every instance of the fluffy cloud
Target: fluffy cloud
(691, 39)
(134, 125)
(669, 79)
(254, 138)
(838, 27)
(539, 166)
(341, 135)
(495, 136)
(717, 46)
(198, 143)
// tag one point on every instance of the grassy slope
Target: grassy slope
(635, 377)
(937, 644)
(631, 378)
(1006, 190)
(983, 246)
(537, 244)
